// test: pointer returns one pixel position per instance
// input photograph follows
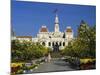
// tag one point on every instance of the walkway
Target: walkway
(54, 65)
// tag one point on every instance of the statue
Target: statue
(49, 57)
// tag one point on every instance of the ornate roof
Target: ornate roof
(68, 29)
(44, 29)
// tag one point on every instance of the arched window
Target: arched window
(60, 44)
(49, 36)
(49, 44)
(63, 43)
(56, 43)
(52, 43)
(43, 43)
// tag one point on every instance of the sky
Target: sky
(28, 17)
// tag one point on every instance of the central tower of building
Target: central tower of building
(56, 24)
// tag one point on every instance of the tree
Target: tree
(87, 35)
(84, 44)
(27, 50)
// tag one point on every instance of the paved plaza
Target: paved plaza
(54, 65)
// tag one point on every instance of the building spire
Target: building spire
(56, 19)
(56, 23)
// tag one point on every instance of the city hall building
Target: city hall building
(50, 39)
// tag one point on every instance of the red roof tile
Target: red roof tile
(68, 29)
(23, 36)
(43, 29)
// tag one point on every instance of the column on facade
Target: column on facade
(58, 43)
(62, 44)
(66, 43)
(46, 44)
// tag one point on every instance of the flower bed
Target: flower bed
(20, 68)
(17, 68)
(87, 63)
(77, 63)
